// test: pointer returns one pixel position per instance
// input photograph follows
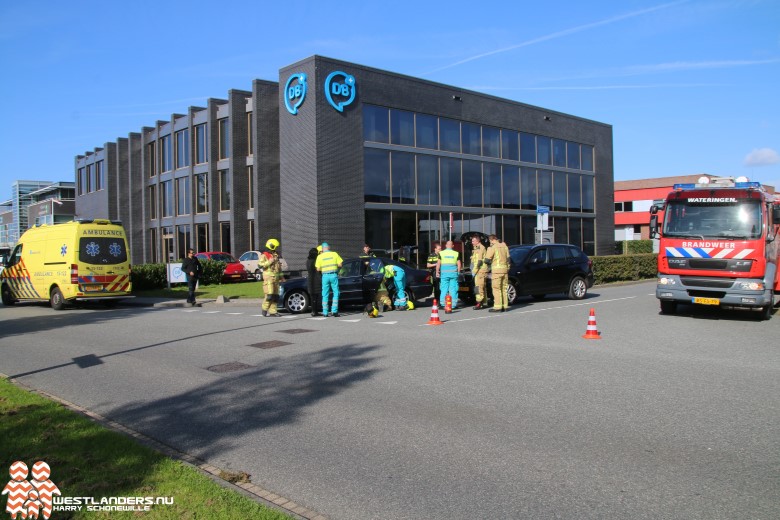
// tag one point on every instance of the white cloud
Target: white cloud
(762, 157)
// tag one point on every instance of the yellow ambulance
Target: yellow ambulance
(76, 261)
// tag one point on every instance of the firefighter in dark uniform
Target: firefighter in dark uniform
(314, 280)
(433, 260)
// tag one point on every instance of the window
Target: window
(224, 138)
(544, 188)
(82, 180)
(201, 144)
(102, 250)
(624, 206)
(470, 135)
(528, 187)
(402, 178)
(427, 180)
(587, 194)
(252, 237)
(527, 148)
(575, 231)
(100, 176)
(183, 239)
(167, 242)
(350, 269)
(201, 193)
(427, 132)
(491, 141)
(183, 148)
(491, 177)
(573, 155)
(559, 152)
(375, 124)
(202, 237)
(587, 158)
(250, 147)
(557, 254)
(183, 196)
(543, 150)
(91, 178)
(225, 190)
(449, 134)
(575, 196)
(153, 250)
(509, 147)
(251, 184)
(151, 158)
(510, 184)
(450, 182)
(401, 128)
(166, 198)
(538, 257)
(637, 229)
(559, 192)
(472, 184)
(376, 176)
(166, 154)
(153, 202)
(224, 237)
(378, 229)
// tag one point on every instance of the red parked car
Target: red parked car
(234, 271)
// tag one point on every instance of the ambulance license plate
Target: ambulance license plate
(92, 288)
(706, 301)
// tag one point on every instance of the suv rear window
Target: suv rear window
(102, 250)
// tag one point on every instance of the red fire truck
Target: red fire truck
(719, 245)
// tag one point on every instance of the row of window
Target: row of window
(164, 155)
(91, 178)
(175, 197)
(392, 230)
(171, 242)
(398, 127)
(407, 178)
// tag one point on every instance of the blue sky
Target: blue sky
(689, 86)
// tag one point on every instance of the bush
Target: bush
(152, 276)
(624, 267)
(148, 276)
(639, 247)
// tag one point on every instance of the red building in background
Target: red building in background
(634, 198)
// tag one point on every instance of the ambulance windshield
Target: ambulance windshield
(102, 250)
(712, 218)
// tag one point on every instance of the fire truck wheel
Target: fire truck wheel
(668, 307)
(766, 313)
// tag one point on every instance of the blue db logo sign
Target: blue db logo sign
(340, 89)
(295, 92)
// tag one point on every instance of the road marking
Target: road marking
(350, 321)
(387, 322)
(289, 316)
(528, 311)
(317, 319)
(235, 313)
(191, 310)
(211, 312)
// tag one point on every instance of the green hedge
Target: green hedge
(633, 247)
(152, 276)
(620, 268)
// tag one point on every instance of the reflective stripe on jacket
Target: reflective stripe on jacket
(328, 262)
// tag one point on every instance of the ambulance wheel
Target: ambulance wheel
(668, 307)
(8, 298)
(56, 299)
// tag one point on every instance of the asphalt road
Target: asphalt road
(509, 415)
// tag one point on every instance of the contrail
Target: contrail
(560, 34)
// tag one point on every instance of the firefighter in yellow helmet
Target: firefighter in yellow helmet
(480, 271)
(272, 276)
(497, 258)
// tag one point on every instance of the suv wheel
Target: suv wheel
(296, 302)
(578, 288)
(511, 293)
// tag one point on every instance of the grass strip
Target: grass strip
(89, 460)
(232, 290)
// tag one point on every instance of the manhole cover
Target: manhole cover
(297, 331)
(228, 367)
(270, 344)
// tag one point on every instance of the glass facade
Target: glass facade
(224, 138)
(470, 187)
(201, 144)
(183, 148)
(166, 154)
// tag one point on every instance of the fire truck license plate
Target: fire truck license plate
(706, 301)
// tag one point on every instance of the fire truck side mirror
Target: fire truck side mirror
(653, 225)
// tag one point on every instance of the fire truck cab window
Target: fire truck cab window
(713, 220)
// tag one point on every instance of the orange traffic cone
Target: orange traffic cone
(592, 332)
(435, 315)
(448, 304)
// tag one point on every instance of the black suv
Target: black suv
(542, 269)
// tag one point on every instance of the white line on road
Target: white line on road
(235, 313)
(350, 321)
(211, 312)
(387, 322)
(317, 319)
(190, 310)
(528, 311)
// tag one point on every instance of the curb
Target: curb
(253, 491)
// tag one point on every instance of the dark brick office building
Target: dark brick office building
(349, 154)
